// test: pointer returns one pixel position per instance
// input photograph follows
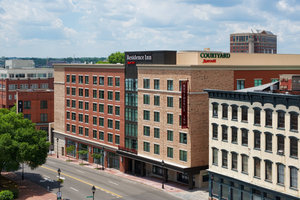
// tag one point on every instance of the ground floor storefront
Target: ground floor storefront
(223, 187)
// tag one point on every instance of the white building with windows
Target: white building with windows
(253, 144)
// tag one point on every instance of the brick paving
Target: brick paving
(32, 191)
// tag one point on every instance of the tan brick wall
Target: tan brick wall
(59, 99)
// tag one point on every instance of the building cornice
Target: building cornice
(82, 66)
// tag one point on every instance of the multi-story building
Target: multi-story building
(19, 75)
(253, 144)
(89, 111)
(260, 42)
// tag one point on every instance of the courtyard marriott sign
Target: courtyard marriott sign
(213, 55)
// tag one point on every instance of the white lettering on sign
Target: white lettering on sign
(139, 57)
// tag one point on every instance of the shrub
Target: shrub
(6, 195)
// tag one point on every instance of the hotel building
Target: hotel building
(253, 143)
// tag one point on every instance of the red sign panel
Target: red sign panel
(184, 104)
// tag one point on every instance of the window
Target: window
(80, 79)
(146, 99)
(110, 95)
(215, 131)
(224, 158)
(117, 139)
(257, 82)
(117, 81)
(280, 144)
(274, 80)
(73, 116)
(240, 84)
(244, 114)
(156, 84)
(169, 135)
(73, 78)
(43, 104)
(268, 142)
(156, 133)
(224, 133)
(280, 174)
(80, 130)
(256, 139)
(156, 100)
(280, 120)
(183, 155)
(110, 137)
(293, 177)
(169, 118)
(234, 160)
(86, 105)
(95, 107)
(179, 102)
(68, 78)
(156, 116)
(86, 132)
(268, 117)
(86, 79)
(80, 117)
(117, 110)
(215, 156)
(95, 80)
(73, 129)
(169, 84)
(294, 147)
(94, 120)
(110, 123)
(146, 130)
(101, 94)
(68, 91)
(245, 164)
(101, 108)
(68, 115)
(170, 152)
(244, 137)
(234, 134)
(73, 91)
(27, 116)
(293, 121)
(117, 96)
(234, 112)
(256, 167)
(86, 119)
(80, 104)
(117, 125)
(94, 94)
(110, 109)
(80, 92)
(183, 138)
(95, 134)
(147, 146)
(68, 127)
(146, 115)
(224, 111)
(257, 116)
(101, 135)
(169, 101)
(146, 83)
(156, 149)
(44, 117)
(215, 109)
(268, 170)
(101, 80)
(27, 104)
(110, 81)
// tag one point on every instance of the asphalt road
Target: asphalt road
(78, 182)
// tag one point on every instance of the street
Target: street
(78, 181)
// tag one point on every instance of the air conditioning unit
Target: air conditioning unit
(280, 152)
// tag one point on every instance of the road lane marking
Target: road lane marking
(73, 189)
(46, 176)
(77, 179)
(79, 171)
(113, 183)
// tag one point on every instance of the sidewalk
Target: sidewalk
(172, 188)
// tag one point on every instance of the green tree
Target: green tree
(117, 57)
(83, 152)
(97, 156)
(71, 150)
(20, 142)
(6, 195)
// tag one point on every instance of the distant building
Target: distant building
(260, 42)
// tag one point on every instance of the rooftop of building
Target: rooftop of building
(257, 32)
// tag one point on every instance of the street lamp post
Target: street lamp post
(103, 158)
(93, 190)
(23, 171)
(58, 171)
(163, 174)
(57, 147)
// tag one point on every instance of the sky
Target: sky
(97, 28)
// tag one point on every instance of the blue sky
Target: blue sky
(63, 28)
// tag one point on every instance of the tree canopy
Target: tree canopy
(20, 142)
(117, 57)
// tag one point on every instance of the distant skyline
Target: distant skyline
(97, 28)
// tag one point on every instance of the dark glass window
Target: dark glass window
(294, 147)
(268, 170)
(215, 131)
(280, 119)
(234, 111)
(293, 177)
(245, 137)
(245, 164)
(269, 117)
(234, 135)
(225, 111)
(244, 114)
(234, 160)
(215, 156)
(224, 133)
(280, 174)
(224, 158)
(215, 110)
(256, 139)
(294, 121)
(268, 141)
(257, 167)
(280, 144)
(257, 116)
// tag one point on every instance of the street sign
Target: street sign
(58, 195)
(89, 196)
